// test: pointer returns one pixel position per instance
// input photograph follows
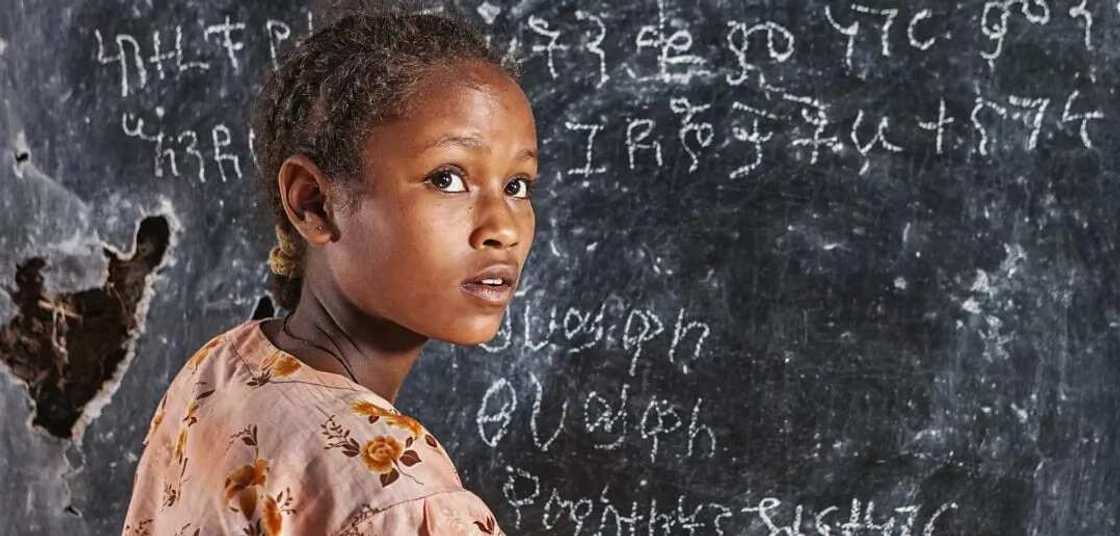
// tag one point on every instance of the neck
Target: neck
(379, 352)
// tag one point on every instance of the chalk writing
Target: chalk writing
(132, 59)
(606, 421)
(594, 46)
(502, 415)
(278, 32)
(540, 26)
(780, 44)
(879, 138)
(807, 123)
(577, 330)
(1081, 12)
(1082, 117)
(592, 130)
(223, 34)
(702, 132)
(637, 131)
(912, 31)
(851, 31)
(938, 126)
(554, 510)
(755, 136)
(543, 445)
(671, 50)
(996, 19)
(170, 149)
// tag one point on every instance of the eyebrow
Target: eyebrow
(474, 142)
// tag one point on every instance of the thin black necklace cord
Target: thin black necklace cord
(284, 328)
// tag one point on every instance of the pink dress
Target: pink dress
(249, 440)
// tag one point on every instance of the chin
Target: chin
(473, 335)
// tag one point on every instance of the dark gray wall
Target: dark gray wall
(849, 262)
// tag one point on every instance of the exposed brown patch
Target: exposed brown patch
(66, 346)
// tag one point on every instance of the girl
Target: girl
(398, 153)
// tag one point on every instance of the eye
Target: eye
(448, 180)
(524, 190)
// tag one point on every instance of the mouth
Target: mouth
(493, 285)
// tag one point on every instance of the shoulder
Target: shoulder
(332, 458)
(325, 425)
(280, 445)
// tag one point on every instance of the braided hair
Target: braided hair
(334, 86)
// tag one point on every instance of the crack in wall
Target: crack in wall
(65, 347)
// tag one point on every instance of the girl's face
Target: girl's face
(445, 198)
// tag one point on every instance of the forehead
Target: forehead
(468, 98)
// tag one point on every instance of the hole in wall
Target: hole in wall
(22, 157)
(65, 346)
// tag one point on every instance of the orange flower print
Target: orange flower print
(244, 485)
(171, 491)
(156, 419)
(381, 452)
(191, 415)
(408, 423)
(285, 365)
(279, 365)
(202, 353)
(246, 476)
(181, 444)
(365, 407)
(271, 516)
(382, 455)
(144, 528)
(375, 412)
(488, 526)
(247, 501)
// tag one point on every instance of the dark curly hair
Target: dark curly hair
(332, 88)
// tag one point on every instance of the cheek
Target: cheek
(433, 236)
(403, 260)
(426, 257)
(363, 258)
(529, 226)
(368, 242)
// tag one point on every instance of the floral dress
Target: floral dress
(248, 440)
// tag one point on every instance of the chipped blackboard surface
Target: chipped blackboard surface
(801, 267)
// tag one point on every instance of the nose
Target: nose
(495, 222)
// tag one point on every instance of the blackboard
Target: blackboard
(800, 268)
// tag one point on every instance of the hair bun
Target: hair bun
(284, 259)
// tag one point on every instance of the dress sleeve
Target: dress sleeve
(451, 513)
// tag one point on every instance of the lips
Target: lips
(492, 285)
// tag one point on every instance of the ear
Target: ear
(305, 194)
